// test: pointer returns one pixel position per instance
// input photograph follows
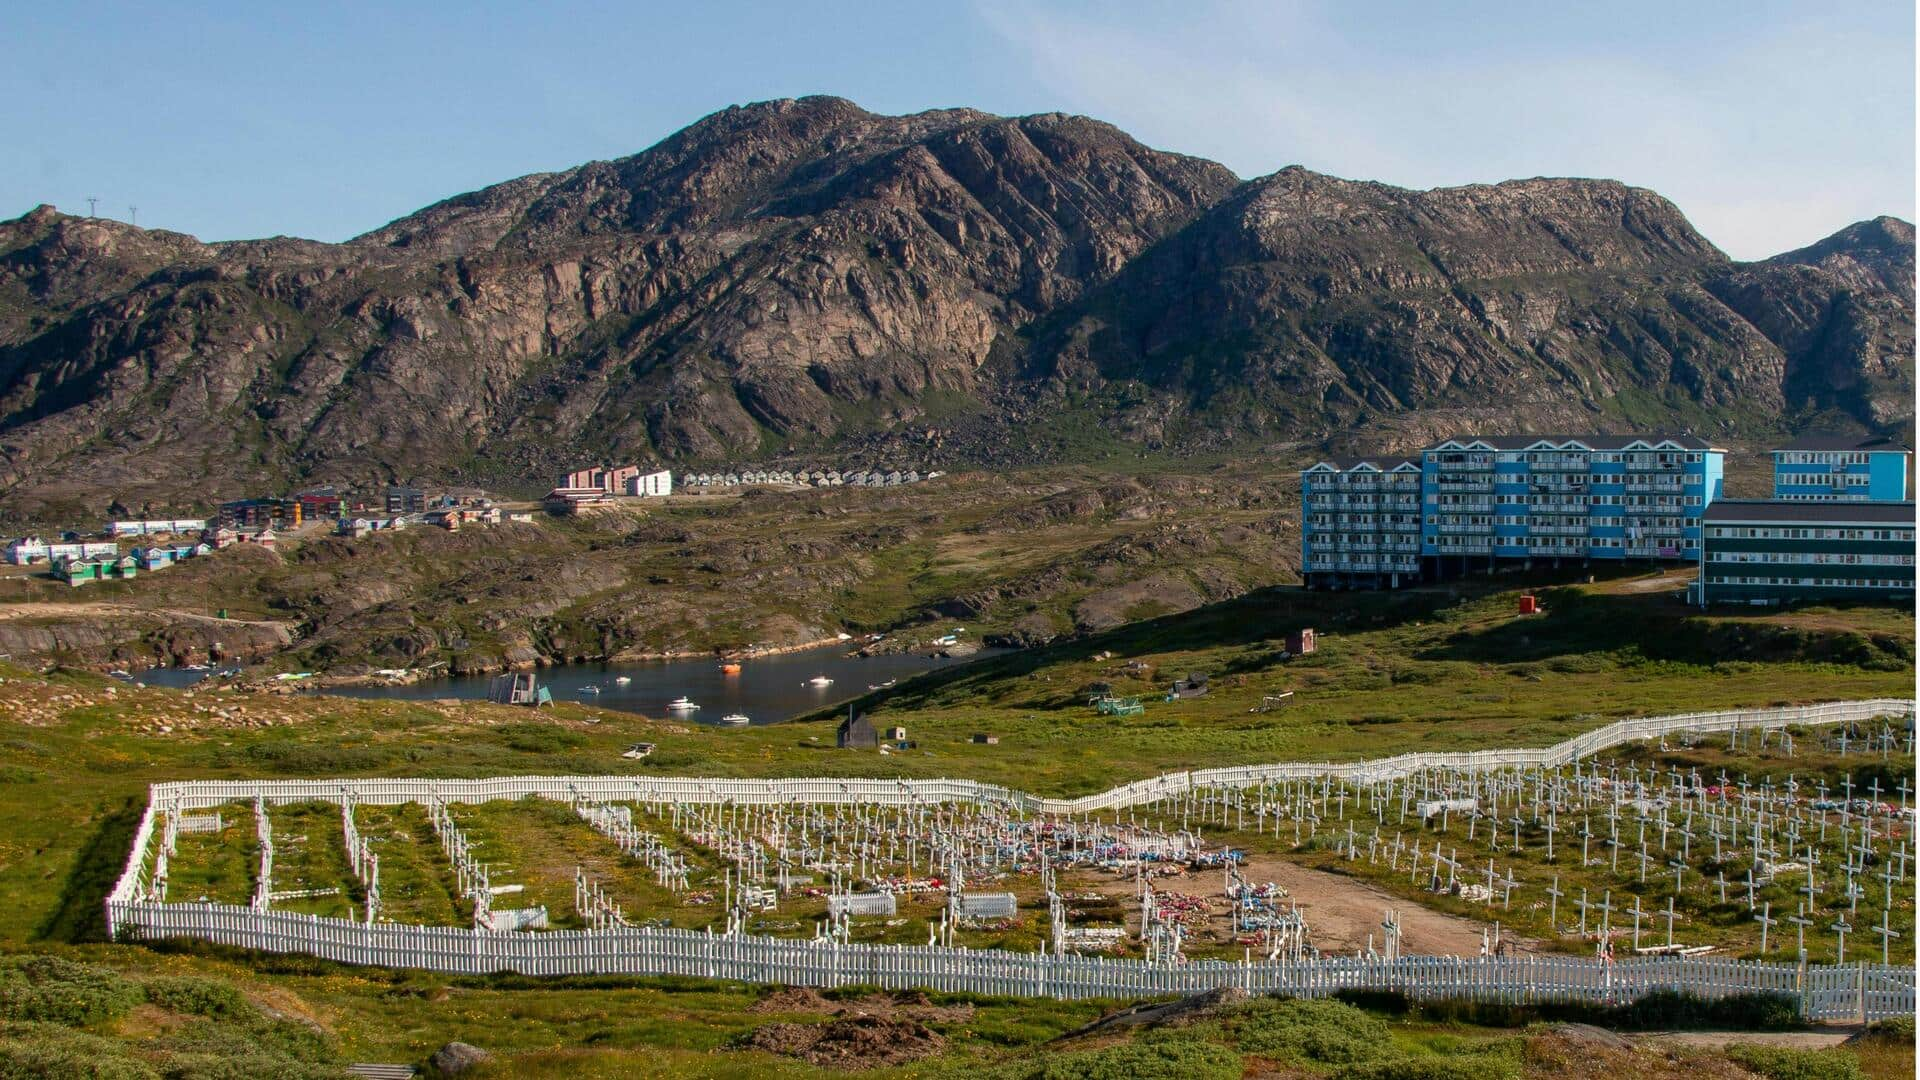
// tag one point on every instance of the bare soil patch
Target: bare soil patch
(852, 1042)
(1341, 912)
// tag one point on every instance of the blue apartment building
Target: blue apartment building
(1360, 523)
(1841, 468)
(1514, 500)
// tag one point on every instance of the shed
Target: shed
(981, 738)
(518, 688)
(1194, 685)
(857, 733)
(1300, 642)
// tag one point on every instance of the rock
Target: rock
(456, 1058)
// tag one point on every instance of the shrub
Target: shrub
(1166, 1059)
(49, 989)
(1659, 1009)
(1434, 1067)
(1329, 1032)
(39, 1051)
(200, 997)
(1897, 1030)
(539, 738)
(1792, 1063)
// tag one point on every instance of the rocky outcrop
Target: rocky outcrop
(805, 274)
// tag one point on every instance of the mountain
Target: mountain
(803, 276)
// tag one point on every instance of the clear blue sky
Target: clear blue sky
(1770, 124)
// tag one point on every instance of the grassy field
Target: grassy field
(1448, 667)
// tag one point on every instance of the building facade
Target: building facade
(1776, 551)
(1493, 498)
(649, 485)
(1825, 468)
(1476, 503)
(1360, 523)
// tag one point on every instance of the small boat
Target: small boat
(681, 704)
(730, 668)
(819, 680)
(622, 680)
(589, 689)
(735, 719)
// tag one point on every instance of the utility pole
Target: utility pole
(133, 216)
(92, 202)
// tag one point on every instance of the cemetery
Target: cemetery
(1598, 862)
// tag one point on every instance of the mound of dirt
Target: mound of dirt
(794, 999)
(903, 1004)
(1589, 1035)
(851, 1042)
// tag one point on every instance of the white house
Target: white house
(157, 527)
(650, 484)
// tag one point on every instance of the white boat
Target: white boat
(681, 704)
(736, 719)
(622, 680)
(819, 680)
(589, 689)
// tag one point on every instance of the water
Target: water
(767, 690)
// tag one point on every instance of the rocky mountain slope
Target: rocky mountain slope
(807, 275)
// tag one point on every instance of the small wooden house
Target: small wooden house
(518, 688)
(857, 733)
(1300, 642)
(981, 738)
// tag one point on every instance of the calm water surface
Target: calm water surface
(767, 690)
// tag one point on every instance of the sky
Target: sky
(1769, 124)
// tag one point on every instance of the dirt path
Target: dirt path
(1804, 1040)
(1341, 912)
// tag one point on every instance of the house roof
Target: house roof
(1880, 443)
(1724, 511)
(1641, 441)
(1382, 464)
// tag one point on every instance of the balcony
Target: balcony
(1564, 508)
(1463, 485)
(1556, 530)
(1466, 530)
(1558, 549)
(1559, 466)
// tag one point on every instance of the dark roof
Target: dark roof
(1847, 442)
(1597, 442)
(1835, 513)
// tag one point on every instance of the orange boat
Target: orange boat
(730, 668)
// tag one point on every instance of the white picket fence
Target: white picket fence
(1849, 992)
(1826, 992)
